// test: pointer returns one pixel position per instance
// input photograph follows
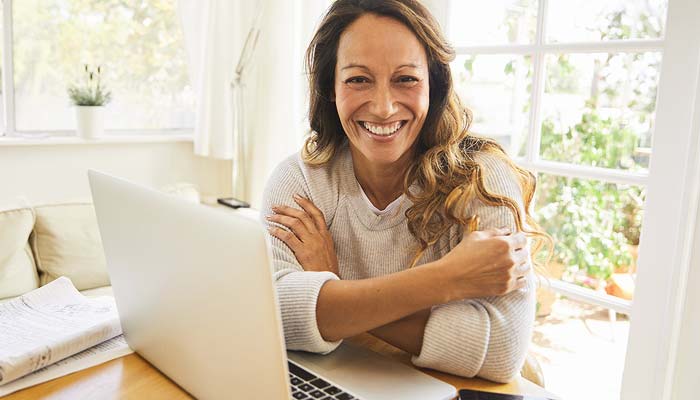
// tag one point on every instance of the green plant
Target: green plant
(593, 222)
(91, 93)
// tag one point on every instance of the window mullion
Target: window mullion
(610, 46)
(532, 151)
(8, 70)
(589, 296)
(586, 172)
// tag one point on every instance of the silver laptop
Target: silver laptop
(194, 290)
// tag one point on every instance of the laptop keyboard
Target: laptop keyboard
(306, 385)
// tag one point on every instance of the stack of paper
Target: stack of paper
(49, 324)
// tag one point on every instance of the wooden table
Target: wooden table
(132, 377)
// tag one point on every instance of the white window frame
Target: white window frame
(8, 74)
(532, 161)
(666, 252)
(666, 247)
(9, 128)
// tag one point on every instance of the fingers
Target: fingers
(522, 269)
(292, 223)
(521, 282)
(303, 223)
(287, 237)
(521, 261)
(519, 277)
(311, 209)
(298, 214)
(518, 241)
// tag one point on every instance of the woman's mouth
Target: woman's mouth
(382, 131)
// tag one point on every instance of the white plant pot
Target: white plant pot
(90, 121)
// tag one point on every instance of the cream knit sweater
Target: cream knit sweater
(487, 337)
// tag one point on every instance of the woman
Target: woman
(373, 224)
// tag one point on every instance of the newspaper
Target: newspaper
(103, 352)
(49, 324)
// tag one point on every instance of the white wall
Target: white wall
(57, 172)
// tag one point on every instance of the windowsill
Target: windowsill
(106, 139)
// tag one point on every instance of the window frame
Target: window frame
(673, 198)
(667, 239)
(9, 126)
(8, 84)
(531, 160)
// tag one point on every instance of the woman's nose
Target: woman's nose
(383, 103)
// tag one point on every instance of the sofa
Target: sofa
(40, 243)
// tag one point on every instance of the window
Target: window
(569, 89)
(138, 45)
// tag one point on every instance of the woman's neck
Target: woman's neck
(382, 183)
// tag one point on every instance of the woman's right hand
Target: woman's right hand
(487, 263)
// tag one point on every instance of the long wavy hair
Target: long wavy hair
(444, 168)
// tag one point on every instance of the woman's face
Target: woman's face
(381, 87)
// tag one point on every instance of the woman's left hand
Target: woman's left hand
(308, 237)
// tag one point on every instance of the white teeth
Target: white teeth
(382, 130)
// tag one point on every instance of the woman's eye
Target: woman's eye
(407, 79)
(356, 79)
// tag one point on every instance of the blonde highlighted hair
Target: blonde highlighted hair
(444, 168)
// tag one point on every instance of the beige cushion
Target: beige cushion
(18, 273)
(66, 242)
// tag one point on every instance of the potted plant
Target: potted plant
(89, 100)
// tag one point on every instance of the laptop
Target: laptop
(194, 289)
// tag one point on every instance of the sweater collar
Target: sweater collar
(353, 191)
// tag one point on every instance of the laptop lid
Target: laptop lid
(194, 291)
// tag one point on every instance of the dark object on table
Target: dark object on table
(233, 202)
(467, 394)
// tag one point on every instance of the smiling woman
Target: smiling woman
(390, 179)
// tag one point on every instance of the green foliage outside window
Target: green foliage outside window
(138, 43)
(595, 224)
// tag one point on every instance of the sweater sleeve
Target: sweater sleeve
(297, 290)
(486, 337)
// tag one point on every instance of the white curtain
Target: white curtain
(279, 123)
(275, 104)
(214, 33)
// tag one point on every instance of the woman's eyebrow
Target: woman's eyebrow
(352, 65)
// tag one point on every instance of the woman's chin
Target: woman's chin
(383, 156)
